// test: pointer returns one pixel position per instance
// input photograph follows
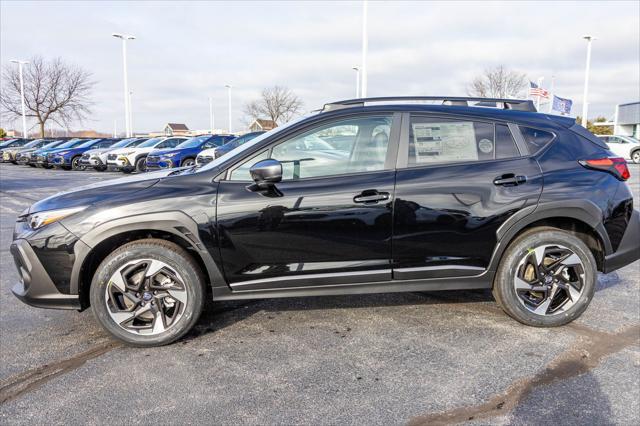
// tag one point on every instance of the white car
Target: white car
(623, 146)
(130, 159)
(97, 158)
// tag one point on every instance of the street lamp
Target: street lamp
(585, 105)
(365, 46)
(357, 70)
(127, 106)
(228, 86)
(24, 115)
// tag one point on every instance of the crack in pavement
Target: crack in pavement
(36, 377)
(589, 349)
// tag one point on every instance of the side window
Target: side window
(436, 140)
(505, 145)
(241, 172)
(535, 139)
(363, 147)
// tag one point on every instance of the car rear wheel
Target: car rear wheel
(546, 278)
(141, 164)
(635, 156)
(188, 162)
(75, 163)
(148, 293)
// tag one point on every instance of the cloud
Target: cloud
(186, 52)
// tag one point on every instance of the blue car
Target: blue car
(69, 158)
(184, 154)
(41, 157)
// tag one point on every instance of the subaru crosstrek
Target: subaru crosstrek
(44, 157)
(131, 159)
(185, 153)
(69, 159)
(97, 157)
(424, 197)
(207, 155)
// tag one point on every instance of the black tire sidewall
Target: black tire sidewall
(506, 272)
(186, 160)
(75, 163)
(141, 164)
(174, 256)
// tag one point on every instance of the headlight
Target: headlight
(40, 219)
(61, 153)
(173, 154)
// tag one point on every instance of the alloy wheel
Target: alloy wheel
(188, 162)
(146, 297)
(549, 279)
(636, 157)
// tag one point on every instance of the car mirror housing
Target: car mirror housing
(266, 174)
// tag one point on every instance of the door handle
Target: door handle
(371, 196)
(509, 179)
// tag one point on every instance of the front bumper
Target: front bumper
(93, 161)
(159, 163)
(629, 248)
(59, 161)
(119, 163)
(36, 287)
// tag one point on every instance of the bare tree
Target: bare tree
(53, 90)
(276, 103)
(498, 82)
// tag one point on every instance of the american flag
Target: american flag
(535, 90)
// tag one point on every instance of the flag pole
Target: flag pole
(540, 80)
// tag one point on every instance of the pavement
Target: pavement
(404, 358)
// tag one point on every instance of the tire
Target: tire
(75, 163)
(155, 329)
(188, 162)
(99, 168)
(141, 165)
(635, 156)
(522, 301)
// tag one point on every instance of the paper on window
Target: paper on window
(444, 142)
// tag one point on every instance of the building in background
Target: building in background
(627, 120)
(176, 129)
(261, 125)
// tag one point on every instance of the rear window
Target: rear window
(536, 139)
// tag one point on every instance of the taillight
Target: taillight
(614, 165)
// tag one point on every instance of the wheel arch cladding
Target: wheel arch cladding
(106, 238)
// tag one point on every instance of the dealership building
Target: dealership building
(627, 120)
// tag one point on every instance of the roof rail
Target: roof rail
(514, 104)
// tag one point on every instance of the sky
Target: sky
(185, 52)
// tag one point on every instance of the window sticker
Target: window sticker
(485, 146)
(444, 142)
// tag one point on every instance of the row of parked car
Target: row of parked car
(125, 155)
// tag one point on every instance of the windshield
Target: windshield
(33, 143)
(150, 143)
(88, 143)
(122, 143)
(51, 144)
(253, 142)
(630, 139)
(71, 143)
(5, 143)
(193, 142)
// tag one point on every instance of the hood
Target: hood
(100, 191)
(134, 149)
(96, 151)
(161, 152)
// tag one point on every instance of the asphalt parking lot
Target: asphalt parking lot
(417, 358)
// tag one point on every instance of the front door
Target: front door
(460, 179)
(331, 221)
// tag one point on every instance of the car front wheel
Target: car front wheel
(188, 162)
(141, 164)
(546, 278)
(148, 293)
(635, 156)
(75, 164)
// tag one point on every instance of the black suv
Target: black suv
(365, 196)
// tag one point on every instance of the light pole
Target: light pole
(24, 115)
(130, 114)
(127, 106)
(228, 86)
(357, 70)
(365, 45)
(211, 121)
(585, 105)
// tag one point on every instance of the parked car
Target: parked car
(32, 157)
(185, 153)
(207, 155)
(7, 151)
(45, 156)
(128, 160)
(10, 154)
(69, 159)
(23, 154)
(97, 157)
(626, 147)
(430, 197)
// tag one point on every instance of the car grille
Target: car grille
(85, 156)
(205, 159)
(152, 159)
(112, 156)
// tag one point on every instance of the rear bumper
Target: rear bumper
(629, 248)
(36, 287)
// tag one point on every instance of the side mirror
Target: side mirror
(266, 172)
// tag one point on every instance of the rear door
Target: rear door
(458, 181)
